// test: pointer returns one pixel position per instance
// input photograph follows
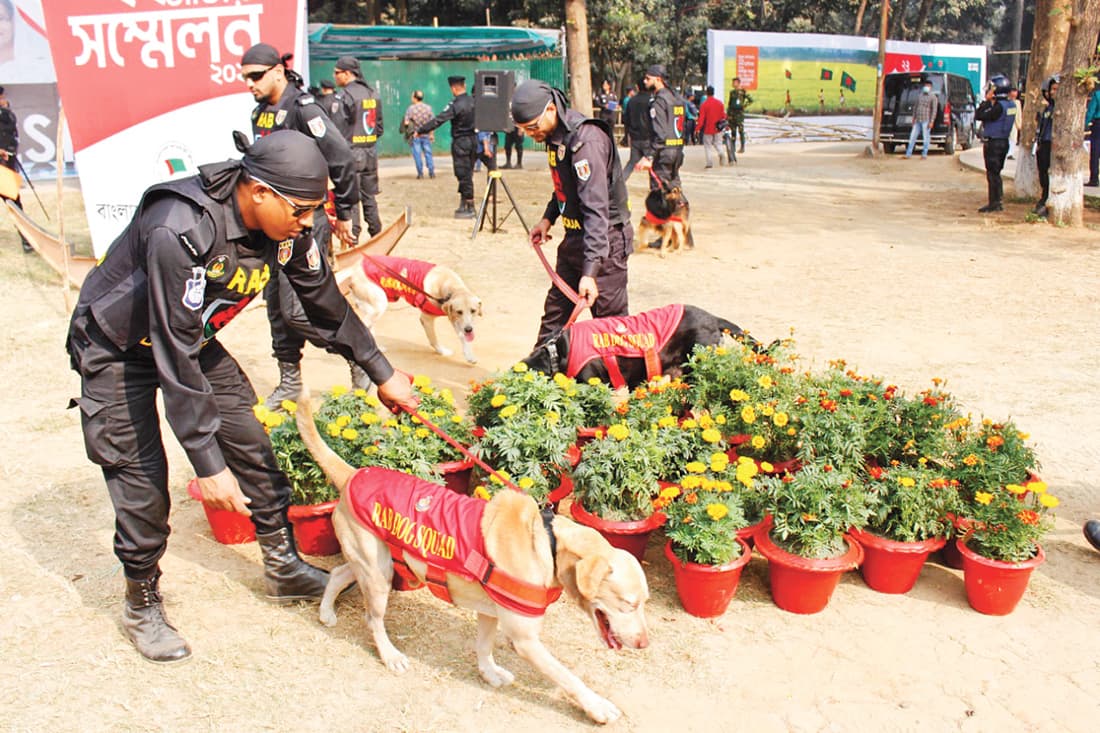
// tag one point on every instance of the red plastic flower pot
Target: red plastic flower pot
(803, 584)
(890, 566)
(456, 475)
(994, 587)
(313, 528)
(748, 534)
(629, 536)
(706, 590)
(950, 554)
(228, 527)
(587, 435)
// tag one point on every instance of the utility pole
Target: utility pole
(876, 120)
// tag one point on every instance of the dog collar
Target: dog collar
(548, 515)
(555, 360)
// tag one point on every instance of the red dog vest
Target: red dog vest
(441, 528)
(402, 278)
(640, 336)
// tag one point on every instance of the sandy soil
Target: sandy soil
(882, 262)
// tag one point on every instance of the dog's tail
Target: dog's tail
(336, 468)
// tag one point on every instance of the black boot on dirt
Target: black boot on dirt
(359, 378)
(290, 385)
(990, 208)
(466, 211)
(147, 628)
(1092, 532)
(287, 576)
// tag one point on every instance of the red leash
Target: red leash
(579, 303)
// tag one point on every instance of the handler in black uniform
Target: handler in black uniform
(998, 116)
(196, 252)
(636, 120)
(590, 198)
(283, 105)
(359, 117)
(9, 147)
(666, 130)
(460, 113)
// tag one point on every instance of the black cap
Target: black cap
(327, 84)
(348, 63)
(456, 80)
(262, 54)
(657, 70)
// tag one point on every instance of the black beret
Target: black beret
(262, 54)
(456, 80)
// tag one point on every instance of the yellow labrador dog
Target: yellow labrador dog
(435, 290)
(531, 550)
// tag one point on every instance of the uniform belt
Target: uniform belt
(673, 142)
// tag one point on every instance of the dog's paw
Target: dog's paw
(602, 711)
(496, 676)
(470, 358)
(328, 616)
(396, 662)
(443, 351)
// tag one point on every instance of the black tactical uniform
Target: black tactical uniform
(299, 111)
(9, 143)
(666, 137)
(359, 117)
(460, 113)
(998, 117)
(636, 120)
(590, 198)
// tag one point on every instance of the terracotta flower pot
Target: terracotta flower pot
(456, 475)
(629, 536)
(994, 587)
(229, 528)
(802, 584)
(313, 530)
(706, 590)
(748, 534)
(890, 566)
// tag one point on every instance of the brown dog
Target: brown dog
(435, 290)
(556, 553)
(667, 217)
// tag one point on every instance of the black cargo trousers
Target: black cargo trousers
(122, 435)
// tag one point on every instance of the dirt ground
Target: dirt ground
(882, 262)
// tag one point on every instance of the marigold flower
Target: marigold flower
(1049, 500)
(689, 424)
(1015, 489)
(875, 472)
(421, 380)
(691, 498)
(500, 477)
(767, 410)
(907, 482)
(343, 420)
(1027, 516)
(519, 367)
(766, 467)
(594, 381)
(695, 467)
(332, 429)
(390, 423)
(668, 421)
(552, 417)
(349, 433)
(422, 433)
(748, 415)
(498, 400)
(509, 410)
(720, 419)
(971, 460)
(482, 493)
(339, 390)
(360, 393)
(983, 497)
(806, 517)
(289, 405)
(765, 381)
(994, 442)
(758, 442)
(618, 431)
(691, 482)
(669, 492)
(712, 435)
(780, 419)
(1037, 487)
(717, 511)
(737, 395)
(845, 392)
(525, 482)
(372, 401)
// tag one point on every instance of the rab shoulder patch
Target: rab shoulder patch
(195, 290)
(317, 126)
(286, 249)
(313, 257)
(583, 169)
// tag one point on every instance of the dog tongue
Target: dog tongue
(470, 336)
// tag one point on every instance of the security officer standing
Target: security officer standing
(636, 121)
(197, 251)
(283, 105)
(590, 198)
(460, 113)
(9, 147)
(360, 119)
(998, 116)
(735, 110)
(1044, 133)
(666, 130)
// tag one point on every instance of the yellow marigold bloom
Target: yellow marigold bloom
(339, 390)
(791, 431)
(706, 421)
(689, 424)
(719, 457)
(907, 482)
(1014, 488)
(373, 401)
(482, 493)
(494, 479)
(748, 415)
(274, 420)
(765, 381)
(526, 482)
(767, 410)
(766, 467)
(456, 419)
(720, 350)
(370, 450)
(1049, 501)
(983, 497)
(405, 429)
(1023, 436)
(758, 442)
(737, 395)
(695, 467)
(1038, 487)
(509, 411)
(360, 393)
(986, 421)
(422, 433)
(711, 435)
(717, 511)
(780, 419)
(720, 419)
(391, 423)
(289, 405)
(552, 417)
(343, 420)
(723, 486)
(349, 433)
(368, 418)
(595, 381)
(529, 377)
(669, 492)
(618, 431)
(333, 430)
(498, 400)
(668, 421)
(447, 395)
(416, 420)
(519, 367)
(691, 482)
(971, 460)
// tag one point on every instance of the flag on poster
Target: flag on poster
(787, 73)
(826, 75)
(151, 90)
(847, 81)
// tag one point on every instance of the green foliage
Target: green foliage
(617, 476)
(655, 401)
(308, 483)
(595, 400)
(840, 413)
(813, 508)
(988, 455)
(518, 389)
(917, 428)
(702, 523)
(910, 504)
(529, 449)
(1007, 522)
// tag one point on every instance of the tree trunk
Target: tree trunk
(401, 12)
(897, 25)
(1017, 41)
(922, 18)
(576, 44)
(1068, 159)
(859, 16)
(1048, 49)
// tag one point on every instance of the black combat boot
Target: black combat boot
(1092, 532)
(290, 385)
(467, 211)
(146, 626)
(461, 210)
(287, 576)
(359, 378)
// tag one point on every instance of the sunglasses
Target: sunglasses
(296, 210)
(255, 76)
(533, 125)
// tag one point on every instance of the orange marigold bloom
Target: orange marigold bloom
(845, 393)
(971, 460)
(691, 498)
(994, 442)
(1028, 517)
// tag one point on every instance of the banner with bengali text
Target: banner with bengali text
(152, 89)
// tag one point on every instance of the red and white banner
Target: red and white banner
(152, 89)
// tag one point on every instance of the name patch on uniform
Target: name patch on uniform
(583, 169)
(317, 126)
(313, 257)
(280, 116)
(195, 290)
(215, 268)
(286, 249)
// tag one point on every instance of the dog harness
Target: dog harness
(402, 278)
(658, 221)
(441, 528)
(640, 336)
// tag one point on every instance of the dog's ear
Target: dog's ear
(590, 572)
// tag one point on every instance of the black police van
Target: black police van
(954, 124)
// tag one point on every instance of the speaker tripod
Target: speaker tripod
(488, 209)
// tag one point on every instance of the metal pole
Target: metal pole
(876, 121)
